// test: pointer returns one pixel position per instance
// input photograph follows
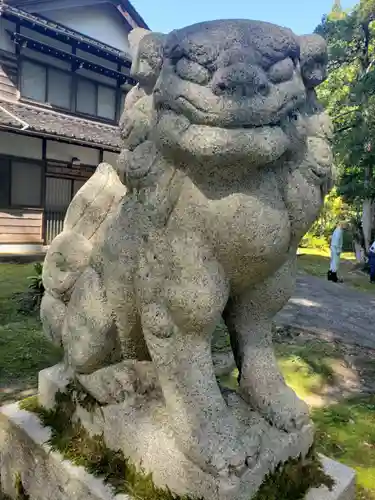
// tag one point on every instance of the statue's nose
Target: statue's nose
(240, 79)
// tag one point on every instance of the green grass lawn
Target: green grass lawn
(316, 263)
(24, 350)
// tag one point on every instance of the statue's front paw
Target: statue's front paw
(288, 412)
(229, 462)
(283, 409)
(230, 455)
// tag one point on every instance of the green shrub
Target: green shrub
(30, 300)
(311, 241)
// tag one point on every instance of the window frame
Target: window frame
(42, 163)
(20, 72)
(114, 90)
(97, 84)
(78, 79)
(18, 159)
(75, 77)
(8, 163)
(50, 68)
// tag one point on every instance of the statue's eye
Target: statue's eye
(282, 71)
(192, 71)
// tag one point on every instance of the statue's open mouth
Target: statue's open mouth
(257, 129)
(196, 115)
(258, 145)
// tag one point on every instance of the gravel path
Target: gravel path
(334, 311)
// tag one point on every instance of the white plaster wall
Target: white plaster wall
(20, 145)
(98, 21)
(65, 152)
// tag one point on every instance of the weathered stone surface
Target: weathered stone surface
(344, 488)
(45, 475)
(52, 315)
(121, 381)
(94, 201)
(89, 334)
(226, 159)
(51, 381)
(66, 259)
(75, 302)
(147, 51)
(141, 426)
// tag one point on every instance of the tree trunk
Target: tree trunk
(359, 253)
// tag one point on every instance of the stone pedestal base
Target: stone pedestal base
(25, 456)
(45, 475)
(139, 426)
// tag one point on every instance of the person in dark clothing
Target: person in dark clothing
(371, 261)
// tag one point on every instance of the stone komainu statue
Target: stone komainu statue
(226, 162)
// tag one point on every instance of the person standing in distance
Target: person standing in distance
(337, 241)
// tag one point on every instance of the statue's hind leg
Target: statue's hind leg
(249, 320)
(89, 334)
(181, 294)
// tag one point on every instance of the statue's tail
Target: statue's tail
(69, 254)
(94, 201)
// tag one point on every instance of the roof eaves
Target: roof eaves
(60, 29)
(133, 13)
(50, 123)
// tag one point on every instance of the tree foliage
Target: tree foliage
(349, 95)
(335, 210)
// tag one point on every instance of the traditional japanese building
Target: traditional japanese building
(64, 73)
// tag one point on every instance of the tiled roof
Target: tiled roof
(40, 120)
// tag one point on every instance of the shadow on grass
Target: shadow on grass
(329, 370)
(333, 371)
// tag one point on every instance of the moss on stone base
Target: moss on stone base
(291, 481)
(20, 490)
(77, 446)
